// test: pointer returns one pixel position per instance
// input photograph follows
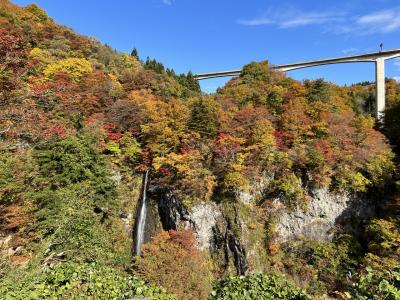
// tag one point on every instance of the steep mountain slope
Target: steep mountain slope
(267, 175)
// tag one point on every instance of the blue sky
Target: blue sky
(215, 35)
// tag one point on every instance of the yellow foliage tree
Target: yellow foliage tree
(41, 55)
(74, 67)
(192, 181)
(166, 126)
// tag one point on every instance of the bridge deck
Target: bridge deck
(366, 57)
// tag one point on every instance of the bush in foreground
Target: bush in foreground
(79, 281)
(256, 286)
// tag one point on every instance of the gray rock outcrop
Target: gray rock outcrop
(204, 216)
(326, 214)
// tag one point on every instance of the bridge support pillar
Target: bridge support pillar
(380, 88)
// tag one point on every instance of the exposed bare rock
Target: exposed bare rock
(326, 213)
(204, 217)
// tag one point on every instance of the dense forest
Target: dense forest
(80, 123)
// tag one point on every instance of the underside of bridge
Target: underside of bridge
(378, 58)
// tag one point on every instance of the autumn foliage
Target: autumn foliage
(173, 261)
(75, 114)
(260, 124)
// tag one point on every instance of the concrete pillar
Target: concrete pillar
(380, 88)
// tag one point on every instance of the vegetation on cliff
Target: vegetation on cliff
(78, 120)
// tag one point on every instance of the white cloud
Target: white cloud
(256, 22)
(397, 78)
(383, 21)
(289, 18)
(396, 62)
(340, 22)
(168, 2)
(304, 19)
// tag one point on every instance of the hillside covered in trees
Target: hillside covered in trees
(80, 123)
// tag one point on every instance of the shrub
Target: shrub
(384, 237)
(371, 286)
(15, 168)
(255, 286)
(328, 262)
(113, 148)
(41, 55)
(80, 281)
(172, 261)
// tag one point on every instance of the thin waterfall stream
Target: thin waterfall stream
(141, 217)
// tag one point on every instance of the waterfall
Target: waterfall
(141, 216)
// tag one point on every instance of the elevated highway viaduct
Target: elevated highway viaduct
(378, 58)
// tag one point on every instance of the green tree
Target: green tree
(152, 64)
(74, 160)
(256, 72)
(203, 118)
(135, 54)
(318, 90)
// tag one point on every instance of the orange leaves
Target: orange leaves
(12, 50)
(185, 238)
(244, 121)
(12, 65)
(226, 146)
(13, 217)
(187, 175)
(57, 130)
(172, 261)
(40, 88)
(295, 120)
(324, 147)
(166, 123)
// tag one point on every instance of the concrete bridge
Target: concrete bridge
(378, 58)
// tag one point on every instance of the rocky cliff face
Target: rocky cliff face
(205, 217)
(234, 232)
(325, 215)
(215, 231)
(173, 214)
